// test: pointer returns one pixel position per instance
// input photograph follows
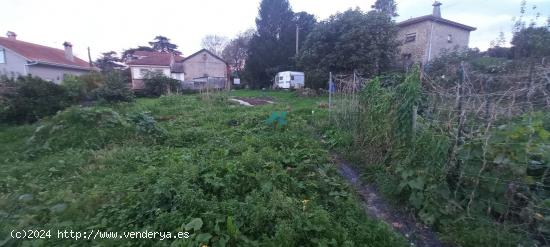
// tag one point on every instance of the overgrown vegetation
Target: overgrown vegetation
(79, 88)
(347, 42)
(472, 162)
(157, 84)
(28, 99)
(181, 163)
(115, 89)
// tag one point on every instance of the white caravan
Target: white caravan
(289, 79)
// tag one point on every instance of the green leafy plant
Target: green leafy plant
(80, 127)
(147, 126)
(277, 120)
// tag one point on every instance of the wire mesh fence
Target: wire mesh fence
(498, 127)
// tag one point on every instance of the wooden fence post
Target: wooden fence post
(414, 117)
(453, 173)
(330, 85)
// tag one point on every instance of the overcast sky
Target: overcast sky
(106, 25)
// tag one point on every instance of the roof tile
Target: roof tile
(436, 19)
(40, 53)
(154, 58)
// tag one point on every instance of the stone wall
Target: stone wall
(420, 48)
(204, 65)
(460, 38)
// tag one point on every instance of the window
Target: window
(411, 37)
(292, 78)
(280, 78)
(2, 56)
(158, 71)
(450, 38)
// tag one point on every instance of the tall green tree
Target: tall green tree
(530, 40)
(128, 54)
(108, 61)
(347, 42)
(306, 23)
(273, 47)
(162, 44)
(388, 7)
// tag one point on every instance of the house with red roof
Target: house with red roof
(145, 62)
(20, 58)
(200, 70)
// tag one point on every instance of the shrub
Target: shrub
(76, 90)
(115, 89)
(147, 126)
(93, 128)
(156, 84)
(81, 127)
(531, 42)
(32, 99)
(80, 88)
(93, 79)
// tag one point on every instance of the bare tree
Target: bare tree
(236, 51)
(214, 43)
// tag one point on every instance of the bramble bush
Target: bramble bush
(31, 99)
(79, 88)
(92, 128)
(157, 84)
(115, 89)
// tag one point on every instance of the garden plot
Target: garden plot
(253, 101)
(218, 172)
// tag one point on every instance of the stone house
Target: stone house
(203, 69)
(20, 58)
(426, 37)
(200, 70)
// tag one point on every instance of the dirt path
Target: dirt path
(376, 207)
(252, 101)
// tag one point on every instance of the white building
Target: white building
(289, 79)
(154, 62)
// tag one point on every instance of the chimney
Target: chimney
(68, 50)
(437, 9)
(11, 35)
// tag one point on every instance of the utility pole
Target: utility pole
(297, 38)
(90, 57)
